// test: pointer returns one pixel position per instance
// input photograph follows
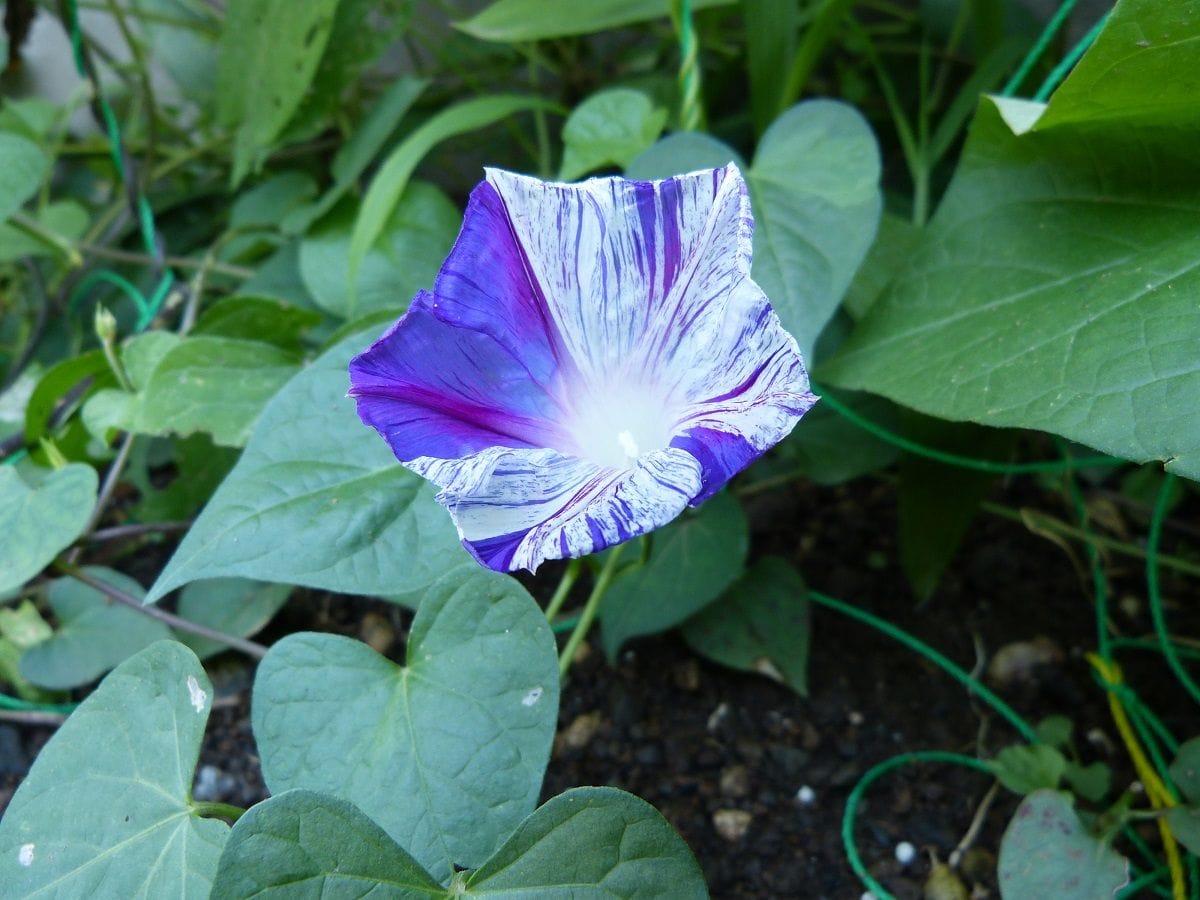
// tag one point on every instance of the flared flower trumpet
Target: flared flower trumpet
(592, 359)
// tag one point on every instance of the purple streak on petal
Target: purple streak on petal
(558, 505)
(487, 284)
(721, 456)
(432, 389)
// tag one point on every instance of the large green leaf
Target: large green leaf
(445, 753)
(303, 844)
(105, 810)
(23, 170)
(318, 499)
(592, 842)
(207, 383)
(94, 634)
(814, 189)
(693, 560)
(516, 21)
(1142, 68)
(389, 184)
(1056, 287)
(38, 521)
(269, 51)
(405, 257)
(1045, 852)
(589, 842)
(760, 624)
(609, 128)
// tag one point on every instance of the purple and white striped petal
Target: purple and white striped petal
(592, 359)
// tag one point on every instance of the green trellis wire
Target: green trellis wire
(148, 307)
(691, 106)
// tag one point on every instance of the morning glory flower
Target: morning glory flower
(592, 359)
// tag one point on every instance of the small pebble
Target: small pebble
(735, 781)
(377, 632)
(718, 716)
(582, 729)
(806, 796)
(732, 824)
(905, 853)
(687, 675)
(212, 784)
(856, 718)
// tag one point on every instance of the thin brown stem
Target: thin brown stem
(118, 532)
(250, 648)
(32, 717)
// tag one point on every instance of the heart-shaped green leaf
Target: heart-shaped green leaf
(105, 810)
(761, 624)
(94, 634)
(609, 128)
(814, 189)
(405, 257)
(692, 561)
(318, 499)
(1045, 852)
(39, 521)
(237, 606)
(445, 753)
(587, 842)
(592, 842)
(302, 844)
(23, 170)
(1055, 288)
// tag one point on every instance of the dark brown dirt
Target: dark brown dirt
(714, 750)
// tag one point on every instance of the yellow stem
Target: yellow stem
(1156, 791)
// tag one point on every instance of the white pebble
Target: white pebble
(905, 853)
(806, 795)
(867, 895)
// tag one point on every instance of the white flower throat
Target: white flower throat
(620, 425)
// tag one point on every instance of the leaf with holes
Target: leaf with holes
(1046, 852)
(268, 53)
(105, 810)
(445, 753)
(317, 499)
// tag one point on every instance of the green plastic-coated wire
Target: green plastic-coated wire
(870, 777)
(955, 671)
(16, 703)
(691, 107)
(953, 459)
(147, 309)
(1039, 47)
(1059, 72)
(1155, 598)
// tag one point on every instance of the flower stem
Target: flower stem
(564, 588)
(589, 611)
(213, 810)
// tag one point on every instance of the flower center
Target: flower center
(620, 425)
